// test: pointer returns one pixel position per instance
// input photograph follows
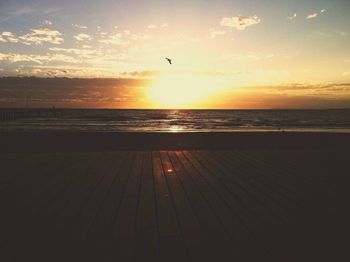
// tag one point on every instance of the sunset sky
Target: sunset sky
(226, 53)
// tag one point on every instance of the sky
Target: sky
(225, 53)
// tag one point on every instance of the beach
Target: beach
(245, 196)
(66, 141)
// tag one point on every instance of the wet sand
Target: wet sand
(104, 141)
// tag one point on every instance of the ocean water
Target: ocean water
(115, 120)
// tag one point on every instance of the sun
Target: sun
(180, 91)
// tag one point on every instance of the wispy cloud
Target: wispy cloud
(39, 59)
(83, 37)
(322, 34)
(84, 52)
(309, 88)
(47, 22)
(214, 33)
(342, 33)
(151, 26)
(310, 16)
(22, 11)
(249, 56)
(93, 92)
(8, 37)
(80, 26)
(140, 37)
(42, 35)
(314, 15)
(116, 39)
(240, 22)
(292, 17)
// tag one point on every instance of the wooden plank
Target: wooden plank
(20, 176)
(61, 218)
(121, 243)
(270, 205)
(232, 213)
(274, 220)
(30, 220)
(273, 172)
(270, 231)
(171, 242)
(293, 164)
(264, 177)
(23, 201)
(90, 205)
(213, 228)
(146, 237)
(93, 247)
(11, 171)
(197, 244)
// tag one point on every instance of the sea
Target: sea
(121, 120)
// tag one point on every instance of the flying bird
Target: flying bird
(169, 60)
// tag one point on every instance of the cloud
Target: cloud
(8, 37)
(116, 39)
(85, 52)
(240, 22)
(137, 37)
(165, 25)
(314, 15)
(346, 74)
(42, 35)
(47, 22)
(328, 34)
(39, 59)
(214, 33)
(71, 92)
(342, 33)
(83, 37)
(292, 17)
(80, 26)
(309, 89)
(310, 16)
(322, 34)
(151, 26)
(249, 56)
(22, 11)
(139, 74)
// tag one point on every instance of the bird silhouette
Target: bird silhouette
(169, 60)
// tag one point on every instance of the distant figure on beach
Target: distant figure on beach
(169, 60)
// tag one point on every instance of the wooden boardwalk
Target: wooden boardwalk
(243, 205)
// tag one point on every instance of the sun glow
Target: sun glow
(181, 90)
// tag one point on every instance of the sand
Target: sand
(94, 141)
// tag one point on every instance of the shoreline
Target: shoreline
(64, 141)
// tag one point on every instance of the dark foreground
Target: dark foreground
(249, 204)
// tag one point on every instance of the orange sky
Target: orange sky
(226, 54)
